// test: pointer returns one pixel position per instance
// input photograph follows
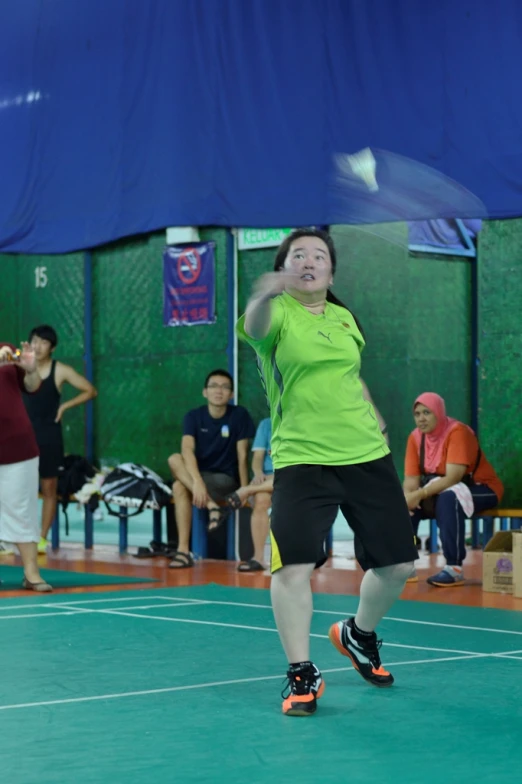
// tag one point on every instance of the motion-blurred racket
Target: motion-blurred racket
(373, 187)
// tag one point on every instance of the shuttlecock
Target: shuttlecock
(363, 165)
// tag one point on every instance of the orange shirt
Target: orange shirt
(461, 447)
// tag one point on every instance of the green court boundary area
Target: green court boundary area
(183, 684)
(11, 577)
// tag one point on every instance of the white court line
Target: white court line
(265, 607)
(511, 652)
(386, 618)
(507, 656)
(62, 613)
(126, 614)
(76, 610)
(30, 606)
(424, 648)
(510, 655)
(97, 601)
(138, 607)
(456, 626)
(169, 689)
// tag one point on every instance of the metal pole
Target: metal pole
(87, 357)
(232, 310)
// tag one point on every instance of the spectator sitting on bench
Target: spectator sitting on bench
(260, 488)
(447, 478)
(213, 460)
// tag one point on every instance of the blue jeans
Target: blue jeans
(451, 520)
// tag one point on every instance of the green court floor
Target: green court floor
(12, 576)
(183, 685)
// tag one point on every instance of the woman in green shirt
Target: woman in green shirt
(328, 453)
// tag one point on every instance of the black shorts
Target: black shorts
(306, 501)
(219, 485)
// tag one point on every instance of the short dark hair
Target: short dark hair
(45, 332)
(219, 372)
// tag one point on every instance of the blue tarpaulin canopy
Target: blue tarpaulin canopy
(122, 116)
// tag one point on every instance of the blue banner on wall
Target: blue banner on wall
(189, 284)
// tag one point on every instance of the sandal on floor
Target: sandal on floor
(234, 501)
(251, 566)
(156, 550)
(216, 517)
(144, 552)
(181, 560)
(41, 587)
(163, 548)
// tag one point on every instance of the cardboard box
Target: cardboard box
(498, 563)
(517, 563)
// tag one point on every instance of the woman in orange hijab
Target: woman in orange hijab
(447, 477)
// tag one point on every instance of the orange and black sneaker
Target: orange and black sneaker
(362, 651)
(302, 689)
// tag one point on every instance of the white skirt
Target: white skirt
(19, 502)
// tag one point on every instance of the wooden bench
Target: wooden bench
(510, 519)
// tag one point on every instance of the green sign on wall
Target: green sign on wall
(250, 239)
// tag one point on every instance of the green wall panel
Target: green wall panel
(416, 313)
(500, 350)
(148, 375)
(58, 302)
(9, 298)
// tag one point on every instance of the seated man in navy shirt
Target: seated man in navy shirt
(213, 460)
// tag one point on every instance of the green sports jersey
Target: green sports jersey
(310, 366)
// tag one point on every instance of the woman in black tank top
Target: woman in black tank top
(42, 409)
